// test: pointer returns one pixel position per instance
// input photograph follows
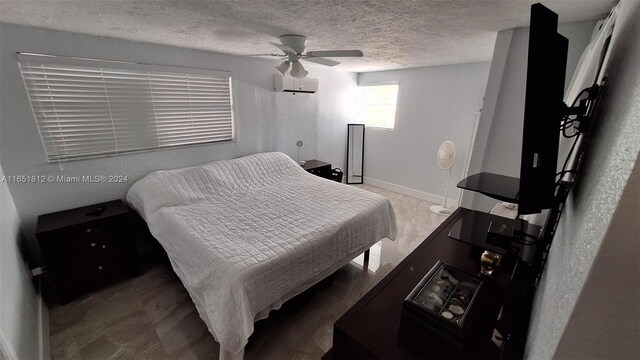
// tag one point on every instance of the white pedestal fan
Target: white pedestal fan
(446, 157)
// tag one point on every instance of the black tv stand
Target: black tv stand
(497, 186)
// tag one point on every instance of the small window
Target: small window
(378, 104)
(88, 108)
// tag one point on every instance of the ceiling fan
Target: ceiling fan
(294, 47)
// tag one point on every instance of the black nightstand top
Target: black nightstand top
(61, 219)
(313, 164)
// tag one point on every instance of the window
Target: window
(378, 104)
(87, 108)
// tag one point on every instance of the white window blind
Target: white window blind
(378, 104)
(87, 108)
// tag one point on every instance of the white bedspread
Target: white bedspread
(245, 235)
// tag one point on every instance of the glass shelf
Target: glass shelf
(472, 228)
(499, 187)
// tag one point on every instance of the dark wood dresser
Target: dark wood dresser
(372, 328)
(86, 248)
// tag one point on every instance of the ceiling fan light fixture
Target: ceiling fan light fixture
(282, 68)
(298, 71)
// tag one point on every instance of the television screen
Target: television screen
(543, 111)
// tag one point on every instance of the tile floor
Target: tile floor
(152, 316)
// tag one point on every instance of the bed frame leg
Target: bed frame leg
(366, 256)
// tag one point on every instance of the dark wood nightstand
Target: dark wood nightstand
(319, 168)
(86, 248)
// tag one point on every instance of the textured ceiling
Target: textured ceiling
(392, 34)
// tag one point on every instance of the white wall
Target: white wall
(434, 104)
(587, 302)
(607, 310)
(338, 110)
(265, 120)
(499, 140)
(20, 305)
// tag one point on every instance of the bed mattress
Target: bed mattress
(247, 234)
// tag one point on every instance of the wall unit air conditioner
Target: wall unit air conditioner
(293, 85)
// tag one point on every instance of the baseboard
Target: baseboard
(437, 199)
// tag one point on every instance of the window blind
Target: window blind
(87, 108)
(378, 104)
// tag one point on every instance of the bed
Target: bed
(246, 235)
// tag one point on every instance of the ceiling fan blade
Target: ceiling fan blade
(278, 55)
(323, 61)
(335, 53)
(286, 49)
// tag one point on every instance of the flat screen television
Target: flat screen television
(544, 110)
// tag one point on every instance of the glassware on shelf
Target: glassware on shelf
(489, 261)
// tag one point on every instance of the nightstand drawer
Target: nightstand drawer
(321, 171)
(82, 252)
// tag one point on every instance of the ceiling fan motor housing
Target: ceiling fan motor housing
(297, 43)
